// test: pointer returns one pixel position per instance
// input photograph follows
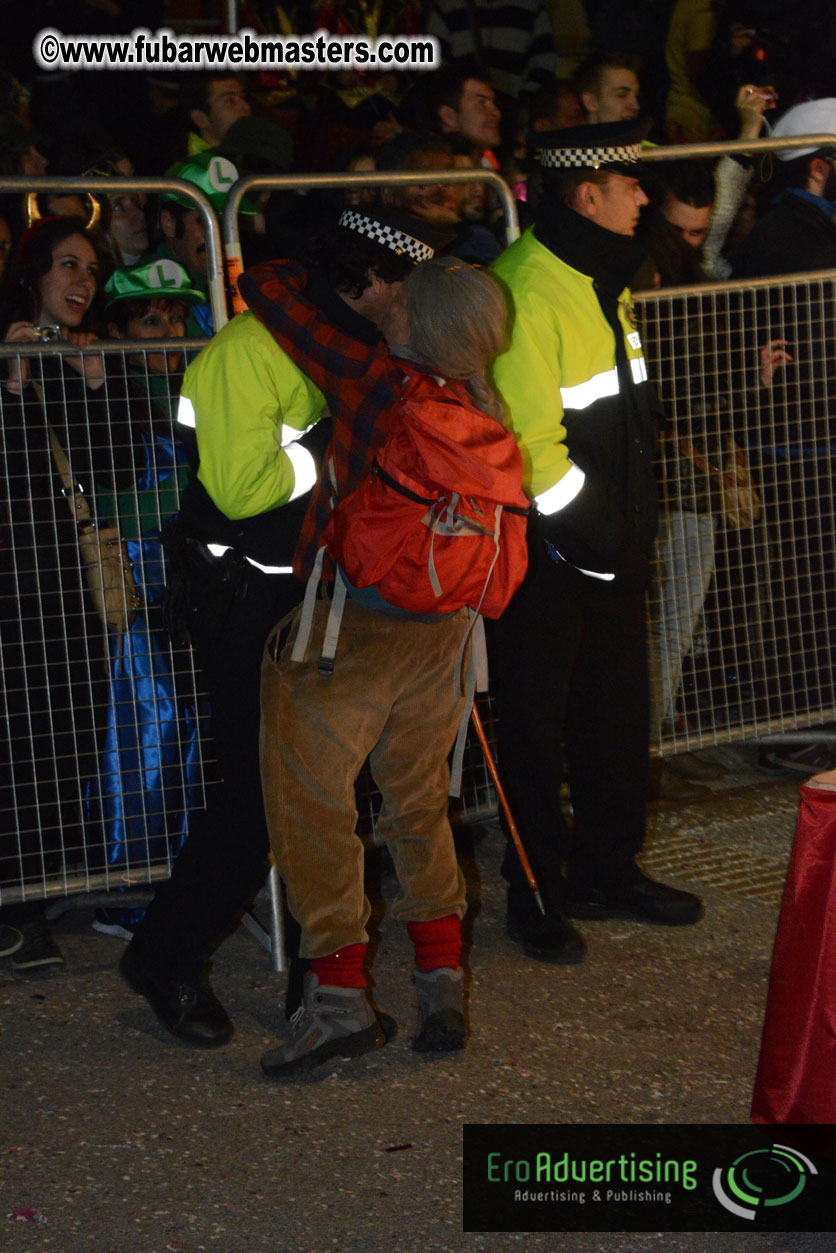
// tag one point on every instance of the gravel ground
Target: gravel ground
(115, 1137)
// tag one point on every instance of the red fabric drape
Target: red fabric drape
(796, 1077)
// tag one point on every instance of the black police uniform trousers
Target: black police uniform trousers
(225, 858)
(570, 671)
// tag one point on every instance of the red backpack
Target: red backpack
(440, 520)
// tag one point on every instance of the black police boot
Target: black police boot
(183, 1001)
(548, 937)
(636, 897)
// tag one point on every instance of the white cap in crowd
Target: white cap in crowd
(814, 117)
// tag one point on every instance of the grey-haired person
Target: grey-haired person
(392, 694)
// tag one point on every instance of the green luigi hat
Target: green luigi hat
(162, 279)
(214, 175)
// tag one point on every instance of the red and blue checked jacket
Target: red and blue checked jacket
(348, 360)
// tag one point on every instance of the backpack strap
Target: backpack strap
(477, 673)
(435, 584)
(496, 528)
(325, 665)
(479, 653)
(303, 635)
(457, 762)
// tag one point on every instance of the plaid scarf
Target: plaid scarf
(348, 360)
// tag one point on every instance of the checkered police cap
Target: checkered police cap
(387, 235)
(615, 146)
(589, 158)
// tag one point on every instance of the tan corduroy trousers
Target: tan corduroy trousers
(392, 697)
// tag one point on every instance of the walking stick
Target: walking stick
(503, 800)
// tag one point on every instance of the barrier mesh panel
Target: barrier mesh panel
(742, 610)
(102, 727)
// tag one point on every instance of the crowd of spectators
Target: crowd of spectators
(532, 67)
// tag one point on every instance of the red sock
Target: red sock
(437, 943)
(343, 969)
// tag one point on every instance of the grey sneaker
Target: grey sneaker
(441, 1022)
(330, 1022)
(38, 948)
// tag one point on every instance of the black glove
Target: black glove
(592, 534)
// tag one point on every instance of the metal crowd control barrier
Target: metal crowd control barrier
(152, 186)
(104, 746)
(743, 623)
(326, 182)
(754, 692)
(728, 147)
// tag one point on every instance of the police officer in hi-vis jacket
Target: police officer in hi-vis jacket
(570, 651)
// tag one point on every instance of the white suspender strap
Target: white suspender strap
(332, 627)
(306, 620)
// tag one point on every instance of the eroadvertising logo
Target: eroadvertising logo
(761, 1177)
(631, 1177)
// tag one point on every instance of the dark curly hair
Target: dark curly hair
(345, 259)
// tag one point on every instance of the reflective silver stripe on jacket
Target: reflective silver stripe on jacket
(561, 493)
(582, 395)
(185, 412)
(304, 469)
(218, 550)
(639, 367)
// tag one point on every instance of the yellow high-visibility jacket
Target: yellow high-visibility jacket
(248, 406)
(577, 400)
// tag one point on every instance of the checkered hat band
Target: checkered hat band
(577, 158)
(388, 236)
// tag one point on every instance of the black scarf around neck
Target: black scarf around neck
(610, 259)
